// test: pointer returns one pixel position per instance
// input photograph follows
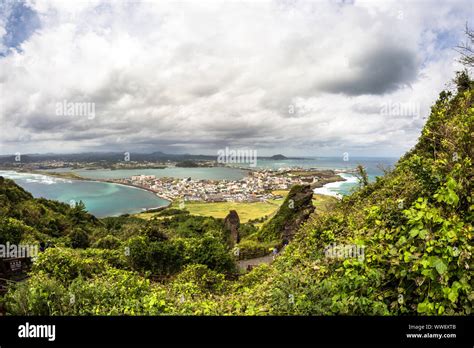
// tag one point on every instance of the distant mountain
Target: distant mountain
(119, 156)
(278, 157)
(105, 156)
(187, 164)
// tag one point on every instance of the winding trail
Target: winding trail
(243, 264)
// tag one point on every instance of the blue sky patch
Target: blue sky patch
(21, 23)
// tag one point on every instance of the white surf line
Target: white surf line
(33, 177)
(330, 189)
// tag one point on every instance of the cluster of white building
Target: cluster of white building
(271, 180)
(257, 186)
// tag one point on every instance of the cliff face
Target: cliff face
(296, 209)
(232, 224)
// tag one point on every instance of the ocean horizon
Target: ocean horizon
(110, 199)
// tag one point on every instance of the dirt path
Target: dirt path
(243, 264)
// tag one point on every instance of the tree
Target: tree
(465, 48)
(79, 239)
(12, 230)
(79, 213)
(361, 174)
(462, 81)
(153, 232)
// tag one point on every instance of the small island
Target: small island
(278, 157)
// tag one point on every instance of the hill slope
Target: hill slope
(400, 245)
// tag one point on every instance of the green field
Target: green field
(246, 211)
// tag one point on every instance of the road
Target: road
(255, 262)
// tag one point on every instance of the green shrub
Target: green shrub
(39, 295)
(198, 279)
(79, 239)
(65, 264)
(12, 230)
(108, 242)
(249, 249)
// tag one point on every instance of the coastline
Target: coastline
(323, 187)
(80, 178)
(76, 177)
(327, 176)
(326, 188)
(139, 188)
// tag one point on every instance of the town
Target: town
(259, 185)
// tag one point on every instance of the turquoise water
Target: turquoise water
(100, 199)
(105, 199)
(220, 173)
(215, 173)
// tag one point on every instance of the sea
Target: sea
(107, 199)
(200, 173)
(100, 198)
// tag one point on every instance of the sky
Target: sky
(301, 78)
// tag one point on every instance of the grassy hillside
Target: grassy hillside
(246, 211)
(413, 228)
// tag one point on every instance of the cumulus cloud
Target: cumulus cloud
(299, 77)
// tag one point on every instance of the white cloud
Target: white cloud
(192, 77)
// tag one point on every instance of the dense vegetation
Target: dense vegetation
(295, 209)
(414, 226)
